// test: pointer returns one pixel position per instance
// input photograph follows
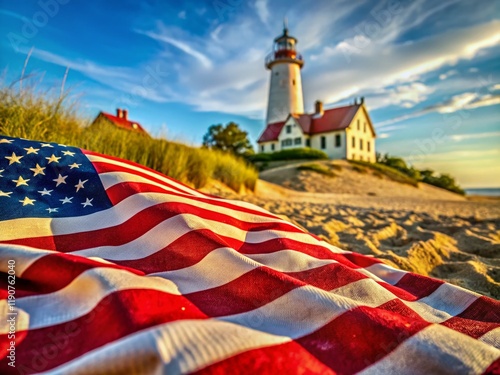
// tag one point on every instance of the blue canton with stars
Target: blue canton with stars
(47, 180)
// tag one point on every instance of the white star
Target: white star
(51, 210)
(3, 140)
(32, 150)
(45, 191)
(59, 144)
(68, 153)
(1, 170)
(21, 181)
(60, 180)
(37, 170)
(88, 202)
(14, 158)
(53, 158)
(66, 200)
(79, 185)
(46, 145)
(74, 165)
(26, 201)
(4, 194)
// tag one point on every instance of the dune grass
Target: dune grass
(317, 168)
(49, 117)
(393, 174)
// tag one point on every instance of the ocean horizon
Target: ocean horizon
(491, 192)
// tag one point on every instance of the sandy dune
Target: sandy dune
(433, 233)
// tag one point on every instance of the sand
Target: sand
(424, 230)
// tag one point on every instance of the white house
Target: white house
(342, 133)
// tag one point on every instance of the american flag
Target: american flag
(121, 270)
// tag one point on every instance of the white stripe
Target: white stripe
(173, 348)
(445, 302)
(492, 338)
(23, 256)
(96, 158)
(436, 350)
(81, 296)
(386, 273)
(306, 309)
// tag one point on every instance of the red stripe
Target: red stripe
(480, 317)
(362, 336)
(418, 285)
(287, 358)
(160, 175)
(53, 272)
(140, 224)
(123, 190)
(116, 316)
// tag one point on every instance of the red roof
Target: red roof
(124, 123)
(331, 120)
(272, 132)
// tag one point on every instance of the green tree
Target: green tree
(228, 138)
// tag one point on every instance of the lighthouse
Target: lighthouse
(285, 92)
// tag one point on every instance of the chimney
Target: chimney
(362, 100)
(125, 114)
(318, 108)
(119, 113)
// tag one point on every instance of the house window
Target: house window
(288, 129)
(361, 144)
(337, 140)
(262, 148)
(297, 141)
(323, 143)
(364, 127)
(353, 142)
(358, 124)
(361, 158)
(308, 142)
(286, 142)
(368, 146)
(272, 147)
(353, 156)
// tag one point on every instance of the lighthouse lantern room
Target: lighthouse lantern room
(285, 92)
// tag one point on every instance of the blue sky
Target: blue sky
(429, 71)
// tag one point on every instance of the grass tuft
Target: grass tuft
(318, 168)
(393, 174)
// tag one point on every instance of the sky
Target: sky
(429, 71)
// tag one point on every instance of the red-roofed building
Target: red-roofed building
(120, 120)
(342, 133)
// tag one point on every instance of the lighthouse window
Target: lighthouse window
(272, 146)
(286, 142)
(288, 129)
(323, 142)
(262, 148)
(297, 141)
(293, 82)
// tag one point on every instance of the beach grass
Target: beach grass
(393, 174)
(29, 113)
(317, 168)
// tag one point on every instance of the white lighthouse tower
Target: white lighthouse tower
(285, 92)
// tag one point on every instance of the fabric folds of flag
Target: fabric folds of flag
(110, 267)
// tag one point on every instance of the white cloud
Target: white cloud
(448, 74)
(262, 10)
(383, 135)
(463, 137)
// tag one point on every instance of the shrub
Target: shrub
(290, 154)
(389, 172)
